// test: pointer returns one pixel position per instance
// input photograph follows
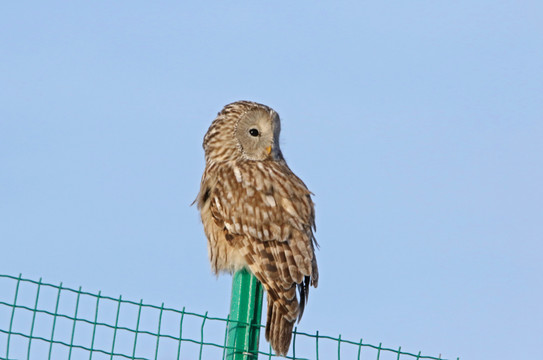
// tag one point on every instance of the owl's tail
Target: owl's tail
(279, 327)
(283, 311)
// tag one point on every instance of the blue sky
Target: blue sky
(418, 125)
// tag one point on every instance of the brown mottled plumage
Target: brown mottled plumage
(257, 214)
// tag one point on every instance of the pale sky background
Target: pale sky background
(417, 124)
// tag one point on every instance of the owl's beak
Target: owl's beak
(268, 150)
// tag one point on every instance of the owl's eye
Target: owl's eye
(254, 132)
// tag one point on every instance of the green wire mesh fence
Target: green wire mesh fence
(45, 321)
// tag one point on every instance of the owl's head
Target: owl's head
(244, 130)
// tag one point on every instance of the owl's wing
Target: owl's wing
(264, 200)
(270, 208)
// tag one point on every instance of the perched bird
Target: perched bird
(257, 214)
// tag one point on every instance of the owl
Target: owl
(257, 214)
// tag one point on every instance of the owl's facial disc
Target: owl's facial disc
(255, 133)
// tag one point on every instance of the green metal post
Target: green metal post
(245, 314)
